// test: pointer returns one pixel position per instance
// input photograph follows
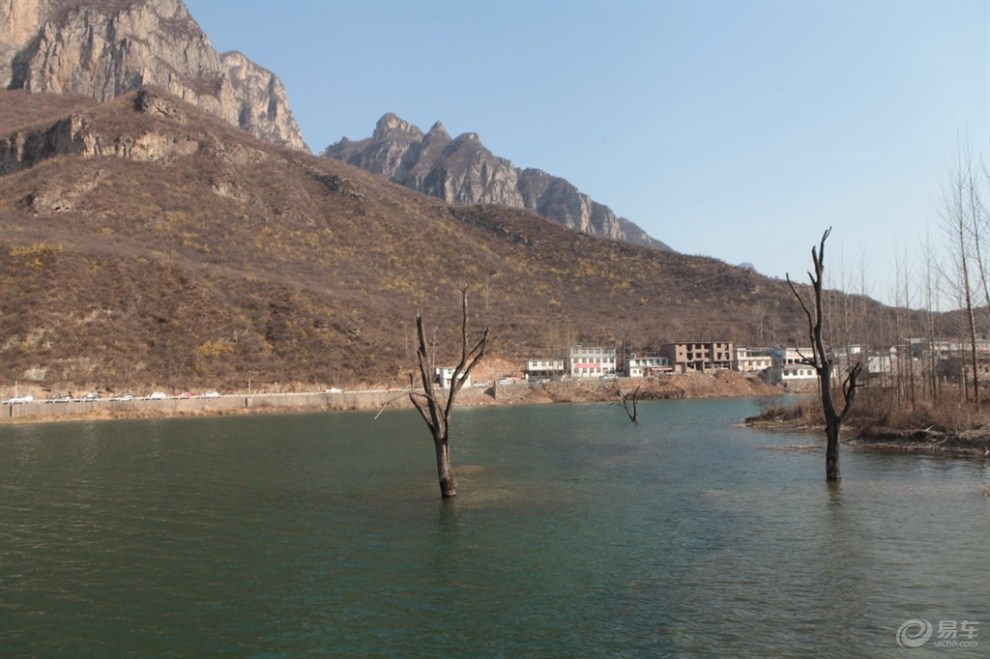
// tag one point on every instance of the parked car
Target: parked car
(21, 399)
(333, 390)
(123, 397)
(64, 398)
(209, 394)
(183, 395)
(91, 397)
(158, 395)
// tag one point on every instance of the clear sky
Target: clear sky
(738, 130)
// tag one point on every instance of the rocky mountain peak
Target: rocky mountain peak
(464, 172)
(392, 127)
(437, 133)
(106, 48)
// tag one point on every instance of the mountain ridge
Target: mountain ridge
(462, 171)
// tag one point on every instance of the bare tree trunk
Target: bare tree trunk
(435, 411)
(822, 364)
(910, 349)
(445, 471)
(979, 219)
(931, 302)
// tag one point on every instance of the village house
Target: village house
(790, 365)
(753, 360)
(783, 356)
(792, 374)
(698, 357)
(442, 376)
(590, 362)
(640, 367)
(543, 369)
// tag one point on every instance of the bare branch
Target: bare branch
(389, 402)
(807, 312)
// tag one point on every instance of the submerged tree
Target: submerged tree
(435, 409)
(629, 402)
(822, 364)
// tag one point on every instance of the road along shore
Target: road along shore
(720, 384)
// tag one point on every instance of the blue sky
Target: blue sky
(738, 130)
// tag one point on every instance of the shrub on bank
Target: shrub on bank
(886, 407)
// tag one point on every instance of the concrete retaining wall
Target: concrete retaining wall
(230, 404)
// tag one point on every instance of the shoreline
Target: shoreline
(722, 384)
(961, 444)
(970, 444)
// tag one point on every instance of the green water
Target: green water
(575, 533)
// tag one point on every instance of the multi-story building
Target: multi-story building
(639, 367)
(590, 362)
(753, 360)
(698, 357)
(790, 365)
(790, 356)
(544, 369)
(443, 374)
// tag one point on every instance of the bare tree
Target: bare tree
(977, 196)
(435, 409)
(931, 330)
(961, 220)
(630, 403)
(822, 364)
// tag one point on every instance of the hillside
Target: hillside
(146, 243)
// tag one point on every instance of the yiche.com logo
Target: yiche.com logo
(914, 633)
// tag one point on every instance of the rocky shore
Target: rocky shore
(968, 443)
(973, 443)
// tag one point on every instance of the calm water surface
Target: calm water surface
(575, 533)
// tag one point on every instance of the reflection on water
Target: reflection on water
(575, 533)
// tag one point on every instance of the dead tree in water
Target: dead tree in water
(632, 410)
(435, 411)
(823, 365)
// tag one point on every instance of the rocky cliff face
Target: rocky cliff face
(105, 48)
(73, 136)
(463, 172)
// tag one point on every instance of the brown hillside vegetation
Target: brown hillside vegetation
(150, 245)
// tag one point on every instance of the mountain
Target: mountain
(148, 244)
(461, 171)
(105, 48)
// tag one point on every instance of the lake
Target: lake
(574, 533)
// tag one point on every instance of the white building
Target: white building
(791, 356)
(639, 367)
(444, 374)
(539, 369)
(753, 360)
(590, 362)
(790, 365)
(796, 373)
